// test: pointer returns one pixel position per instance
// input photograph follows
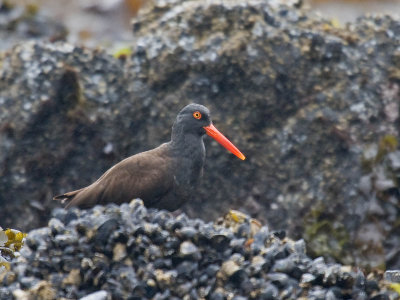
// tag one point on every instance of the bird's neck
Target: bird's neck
(189, 155)
(190, 145)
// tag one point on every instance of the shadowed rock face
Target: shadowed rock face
(303, 100)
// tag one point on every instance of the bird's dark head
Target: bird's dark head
(192, 119)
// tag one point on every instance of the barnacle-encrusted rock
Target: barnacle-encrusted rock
(181, 267)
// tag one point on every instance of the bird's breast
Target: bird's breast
(189, 168)
(188, 171)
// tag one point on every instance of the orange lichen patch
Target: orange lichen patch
(85, 34)
(134, 5)
(255, 226)
(249, 242)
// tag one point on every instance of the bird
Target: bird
(164, 177)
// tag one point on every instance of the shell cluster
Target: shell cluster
(130, 252)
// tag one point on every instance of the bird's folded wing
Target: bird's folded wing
(146, 175)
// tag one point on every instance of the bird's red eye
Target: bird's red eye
(197, 115)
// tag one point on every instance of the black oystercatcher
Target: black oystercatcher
(163, 177)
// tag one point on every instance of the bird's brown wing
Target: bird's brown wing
(147, 175)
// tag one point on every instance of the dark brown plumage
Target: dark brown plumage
(163, 177)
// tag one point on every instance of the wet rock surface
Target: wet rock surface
(74, 258)
(314, 108)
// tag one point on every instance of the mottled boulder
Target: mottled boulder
(314, 108)
(68, 114)
(306, 100)
(26, 22)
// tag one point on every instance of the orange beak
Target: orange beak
(220, 138)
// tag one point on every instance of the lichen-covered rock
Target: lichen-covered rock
(11, 241)
(158, 262)
(304, 99)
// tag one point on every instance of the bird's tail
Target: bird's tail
(67, 197)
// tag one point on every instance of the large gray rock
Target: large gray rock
(67, 115)
(26, 22)
(305, 98)
(300, 97)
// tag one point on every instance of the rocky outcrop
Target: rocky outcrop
(126, 251)
(314, 107)
(26, 22)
